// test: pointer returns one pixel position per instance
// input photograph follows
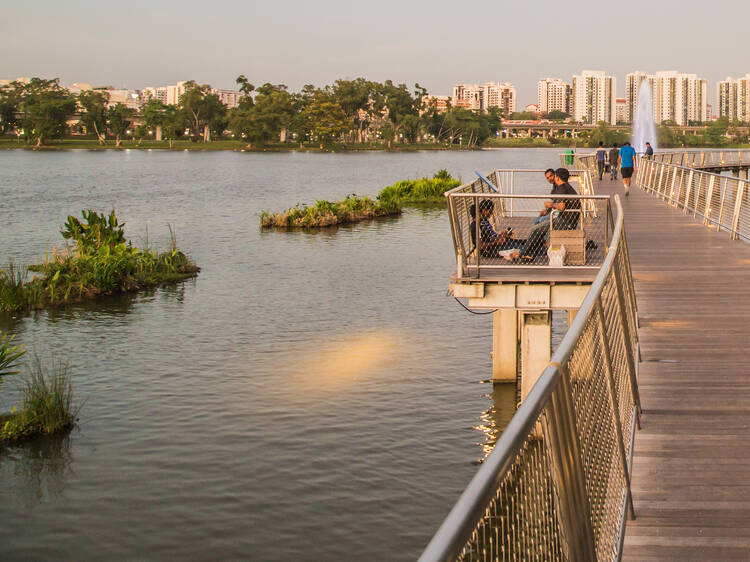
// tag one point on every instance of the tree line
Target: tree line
(352, 111)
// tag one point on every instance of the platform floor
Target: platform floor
(691, 470)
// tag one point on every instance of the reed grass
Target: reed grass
(47, 404)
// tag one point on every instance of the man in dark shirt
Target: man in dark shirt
(564, 214)
(614, 156)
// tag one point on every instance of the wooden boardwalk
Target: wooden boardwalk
(691, 468)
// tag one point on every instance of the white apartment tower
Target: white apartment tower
(553, 95)
(681, 98)
(468, 96)
(633, 83)
(499, 94)
(594, 97)
(734, 98)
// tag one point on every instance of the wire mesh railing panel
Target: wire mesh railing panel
(597, 435)
(523, 514)
(493, 230)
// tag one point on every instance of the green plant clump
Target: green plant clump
(47, 405)
(330, 213)
(101, 263)
(422, 190)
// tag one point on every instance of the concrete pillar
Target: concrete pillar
(206, 133)
(536, 346)
(504, 345)
(158, 132)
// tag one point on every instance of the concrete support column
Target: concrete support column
(504, 345)
(158, 132)
(536, 346)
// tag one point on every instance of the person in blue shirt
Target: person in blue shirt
(628, 165)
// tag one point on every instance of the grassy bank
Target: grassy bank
(100, 263)
(355, 209)
(527, 143)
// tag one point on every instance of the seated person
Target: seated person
(491, 243)
(554, 210)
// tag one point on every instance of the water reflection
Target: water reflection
(39, 468)
(496, 418)
(346, 359)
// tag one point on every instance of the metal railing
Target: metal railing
(590, 228)
(557, 484)
(705, 158)
(721, 201)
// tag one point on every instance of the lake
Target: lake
(310, 396)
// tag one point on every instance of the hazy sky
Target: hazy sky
(137, 43)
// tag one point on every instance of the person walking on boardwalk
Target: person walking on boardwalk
(601, 159)
(628, 166)
(614, 157)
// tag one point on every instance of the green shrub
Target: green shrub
(423, 190)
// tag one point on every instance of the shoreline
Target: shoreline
(236, 146)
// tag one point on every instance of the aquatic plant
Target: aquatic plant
(101, 263)
(9, 354)
(422, 190)
(330, 213)
(47, 404)
(354, 209)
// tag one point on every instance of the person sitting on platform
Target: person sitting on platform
(564, 212)
(492, 244)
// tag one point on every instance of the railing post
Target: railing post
(688, 189)
(707, 208)
(721, 207)
(615, 404)
(575, 510)
(737, 205)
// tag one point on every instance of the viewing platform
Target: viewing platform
(658, 340)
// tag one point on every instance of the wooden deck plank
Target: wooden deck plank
(691, 466)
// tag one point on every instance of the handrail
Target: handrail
(565, 508)
(721, 201)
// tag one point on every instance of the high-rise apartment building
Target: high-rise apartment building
(481, 98)
(499, 94)
(633, 83)
(678, 97)
(594, 97)
(554, 95)
(734, 98)
(682, 98)
(468, 96)
(621, 110)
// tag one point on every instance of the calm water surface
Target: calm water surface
(311, 396)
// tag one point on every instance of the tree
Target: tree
(45, 107)
(270, 114)
(247, 89)
(172, 122)
(10, 102)
(608, 136)
(523, 115)
(94, 117)
(119, 120)
(197, 107)
(354, 97)
(557, 115)
(716, 132)
(323, 120)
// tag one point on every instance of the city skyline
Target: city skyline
(299, 43)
